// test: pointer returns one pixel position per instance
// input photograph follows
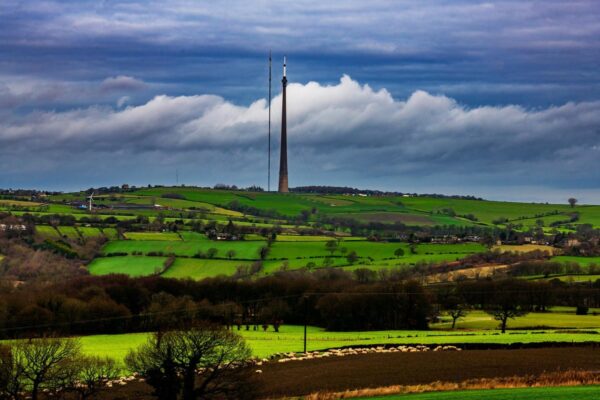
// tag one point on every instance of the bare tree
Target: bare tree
(11, 375)
(572, 202)
(42, 364)
(454, 305)
(203, 362)
(457, 312)
(507, 302)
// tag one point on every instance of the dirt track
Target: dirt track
(376, 370)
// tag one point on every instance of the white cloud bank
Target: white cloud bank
(342, 131)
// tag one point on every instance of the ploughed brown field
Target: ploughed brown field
(334, 374)
(377, 370)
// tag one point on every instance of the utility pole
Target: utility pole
(305, 320)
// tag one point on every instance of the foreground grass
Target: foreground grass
(549, 393)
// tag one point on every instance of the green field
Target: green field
(152, 236)
(583, 261)
(410, 210)
(193, 236)
(301, 238)
(524, 248)
(481, 320)
(570, 278)
(69, 231)
(88, 231)
(47, 231)
(130, 265)
(74, 232)
(243, 250)
(283, 255)
(271, 266)
(202, 268)
(537, 393)
(290, 339)
(374, 250)
(110, 233)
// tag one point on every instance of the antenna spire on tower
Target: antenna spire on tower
(269, 162)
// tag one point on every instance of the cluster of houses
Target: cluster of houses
(12, 227)
(450, 239)
(82, 205)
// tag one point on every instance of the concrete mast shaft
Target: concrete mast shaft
(283, 167)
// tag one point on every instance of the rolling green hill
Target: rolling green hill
(222, 205)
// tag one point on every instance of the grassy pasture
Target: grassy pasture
(64, 209)
(411, 210)
(331, 200)
(77, 215)
(525, 248)
(152, 236)
(375, 250)
(291, 204)
(485, 211)
(110, 233)
(129, 265)
(393, 217)
(559, 320)
(583, 261)
(193, 236)
(575, 278)
(271, 266)
(303, 238)
(202, 268)
(532, 393)
(185, 205)
(19, 203)
(290, 338)
(69, 231)
(88, 231)
(244, 250)
(47, 231)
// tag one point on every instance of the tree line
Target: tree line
(329, 298)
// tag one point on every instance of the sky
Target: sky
(498, 99)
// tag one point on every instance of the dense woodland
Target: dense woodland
(329, 298)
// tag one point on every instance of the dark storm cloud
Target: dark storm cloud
(401, 45)
(477, 94)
